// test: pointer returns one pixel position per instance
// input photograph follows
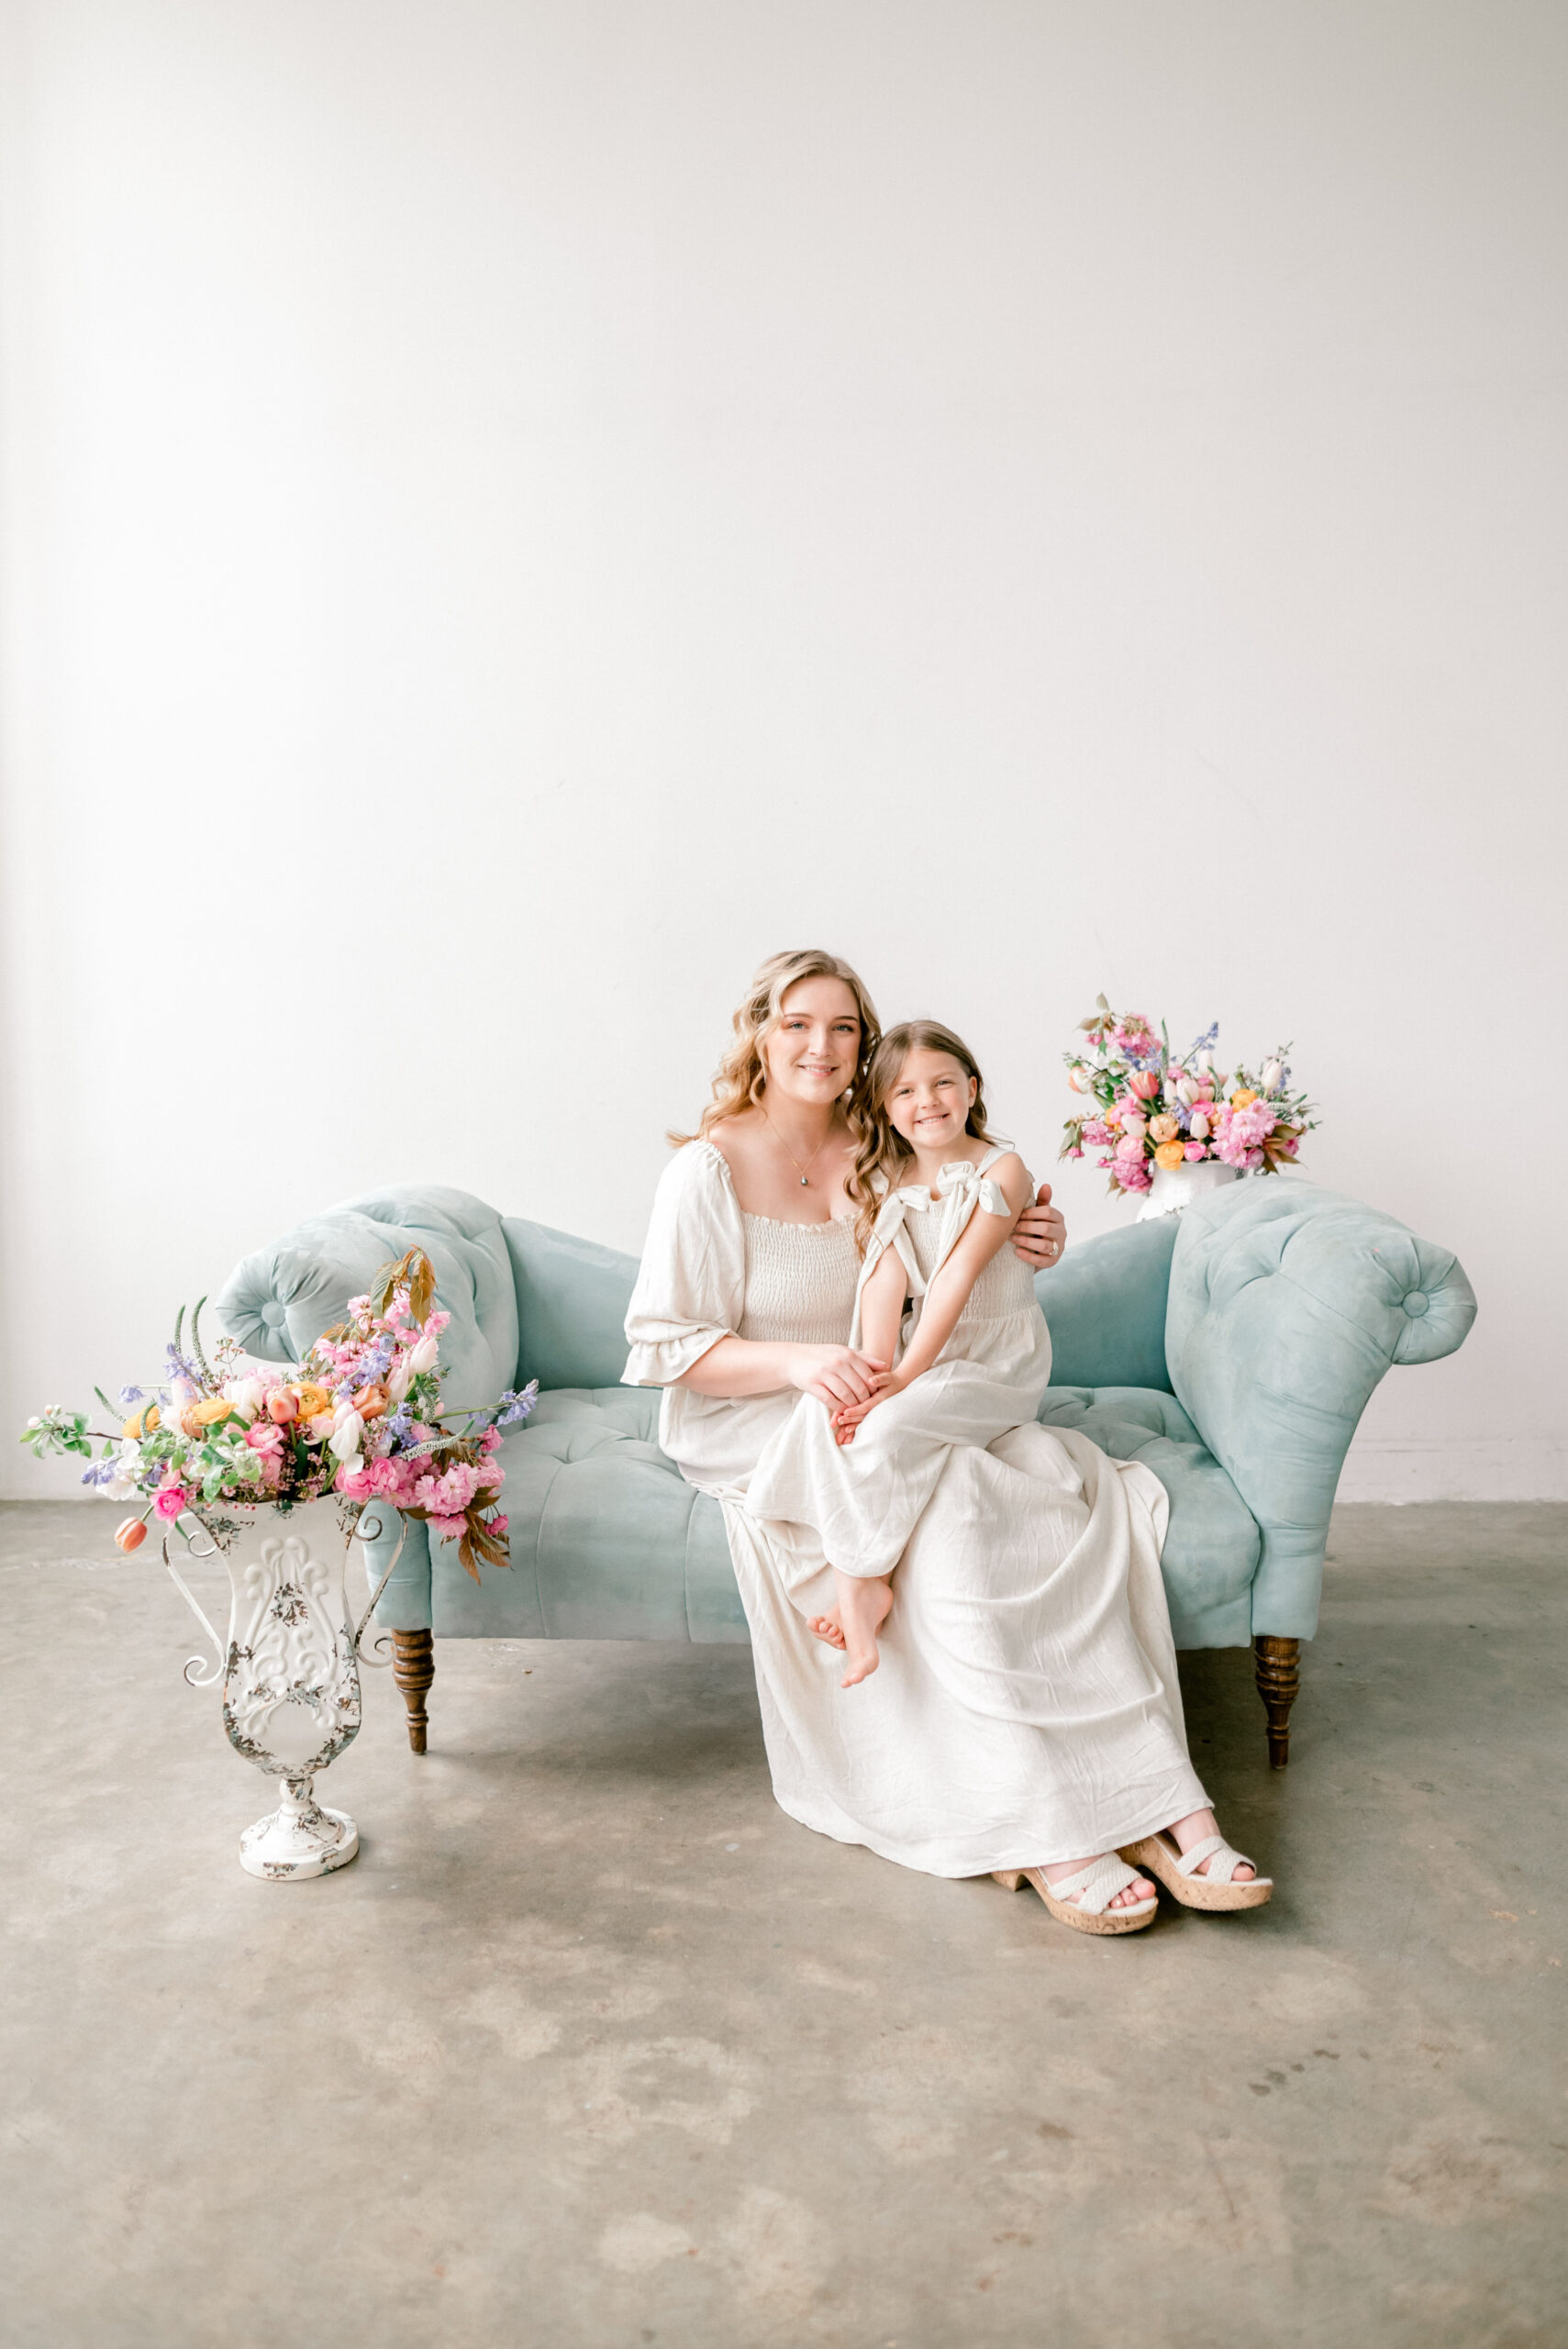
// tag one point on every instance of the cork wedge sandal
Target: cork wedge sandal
(1161, 1856)
(1098, 1883)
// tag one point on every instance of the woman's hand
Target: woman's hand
(837, 1375)
(1040, 1235)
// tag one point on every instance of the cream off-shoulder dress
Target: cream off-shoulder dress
(1026, 1708)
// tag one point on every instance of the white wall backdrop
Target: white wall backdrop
(512, 512)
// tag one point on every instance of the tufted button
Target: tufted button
(1416, 1303)
(275, 1315)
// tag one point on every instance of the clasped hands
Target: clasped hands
(849, 1384)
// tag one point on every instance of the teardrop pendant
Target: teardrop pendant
(803, 1184)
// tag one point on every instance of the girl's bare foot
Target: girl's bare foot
(1127, 1898)
(1192, 1830)
(827, 1627)
(863, 1602)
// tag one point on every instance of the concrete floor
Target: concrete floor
(591, 2046)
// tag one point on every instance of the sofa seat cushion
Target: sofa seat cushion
(607, 1542)
(1212, 1542)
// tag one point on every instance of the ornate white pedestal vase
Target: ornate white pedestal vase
(1175, 1187)
(289, 1668)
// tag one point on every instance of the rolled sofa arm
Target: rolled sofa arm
(1286, 1305)
(278, 1301)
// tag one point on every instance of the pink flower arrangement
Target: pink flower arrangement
(361, 1416)
(1146, 1109)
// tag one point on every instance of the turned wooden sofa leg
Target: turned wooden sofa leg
(414, 1668)
(1278, 1674)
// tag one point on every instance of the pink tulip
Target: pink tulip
(1145, 1082)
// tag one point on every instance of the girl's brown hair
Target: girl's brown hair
(883, 1150)
(741, 1077)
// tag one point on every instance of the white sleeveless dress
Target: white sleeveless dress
(1026, 1708)
(857, 1504)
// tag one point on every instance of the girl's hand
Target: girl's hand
(839, 1376)
(846, 1421)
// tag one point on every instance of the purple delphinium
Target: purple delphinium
(514, 1405)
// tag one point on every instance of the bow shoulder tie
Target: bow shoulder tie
(959, 1180)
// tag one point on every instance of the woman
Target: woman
(1025, 1717)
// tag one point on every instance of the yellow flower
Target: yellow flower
(134, 1428)
(1169, 1155)
(1243, 1097)
(197, 1416)
(312, 1399)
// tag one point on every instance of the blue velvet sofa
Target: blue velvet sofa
(1233, 1348)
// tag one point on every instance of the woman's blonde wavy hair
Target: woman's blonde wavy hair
(741, 1078)
(883, 1150)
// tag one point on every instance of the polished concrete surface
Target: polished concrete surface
(591, 2046)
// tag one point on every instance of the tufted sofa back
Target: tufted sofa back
(278, 1301)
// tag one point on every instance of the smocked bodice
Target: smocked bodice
(1004, 1286)
(800, 1281)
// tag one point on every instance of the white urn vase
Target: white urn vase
(289, 1668)
(1175, 1187)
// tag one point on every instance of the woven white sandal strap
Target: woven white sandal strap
(1098, 1884)
(1223, 1862)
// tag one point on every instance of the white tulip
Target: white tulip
(1273, 1072)
(345, 1440)
(246, 1395)
(424, 1354)
(1187, 1092)
(320, 1427)
(1132, 1124)
(397, 1385)
(1198, 1126)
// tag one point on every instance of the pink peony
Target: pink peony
(1129, 1151)
(1193, 1151)
(265, 1438)
(357, 1483)
(170, 1501)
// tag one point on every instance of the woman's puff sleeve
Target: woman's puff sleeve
(690, 1289)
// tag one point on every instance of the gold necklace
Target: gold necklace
(789, 1153)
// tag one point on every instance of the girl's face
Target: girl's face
(930, 1101)
(812, 1054)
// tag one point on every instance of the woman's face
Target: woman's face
(930, 1101)
(812, 1054)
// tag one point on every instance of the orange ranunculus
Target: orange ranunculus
(1243, 1097)
(134, 1427)
(312, 1399)
(1169, 1155)
(197, 1416)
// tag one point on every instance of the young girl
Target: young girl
(939, 1196)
